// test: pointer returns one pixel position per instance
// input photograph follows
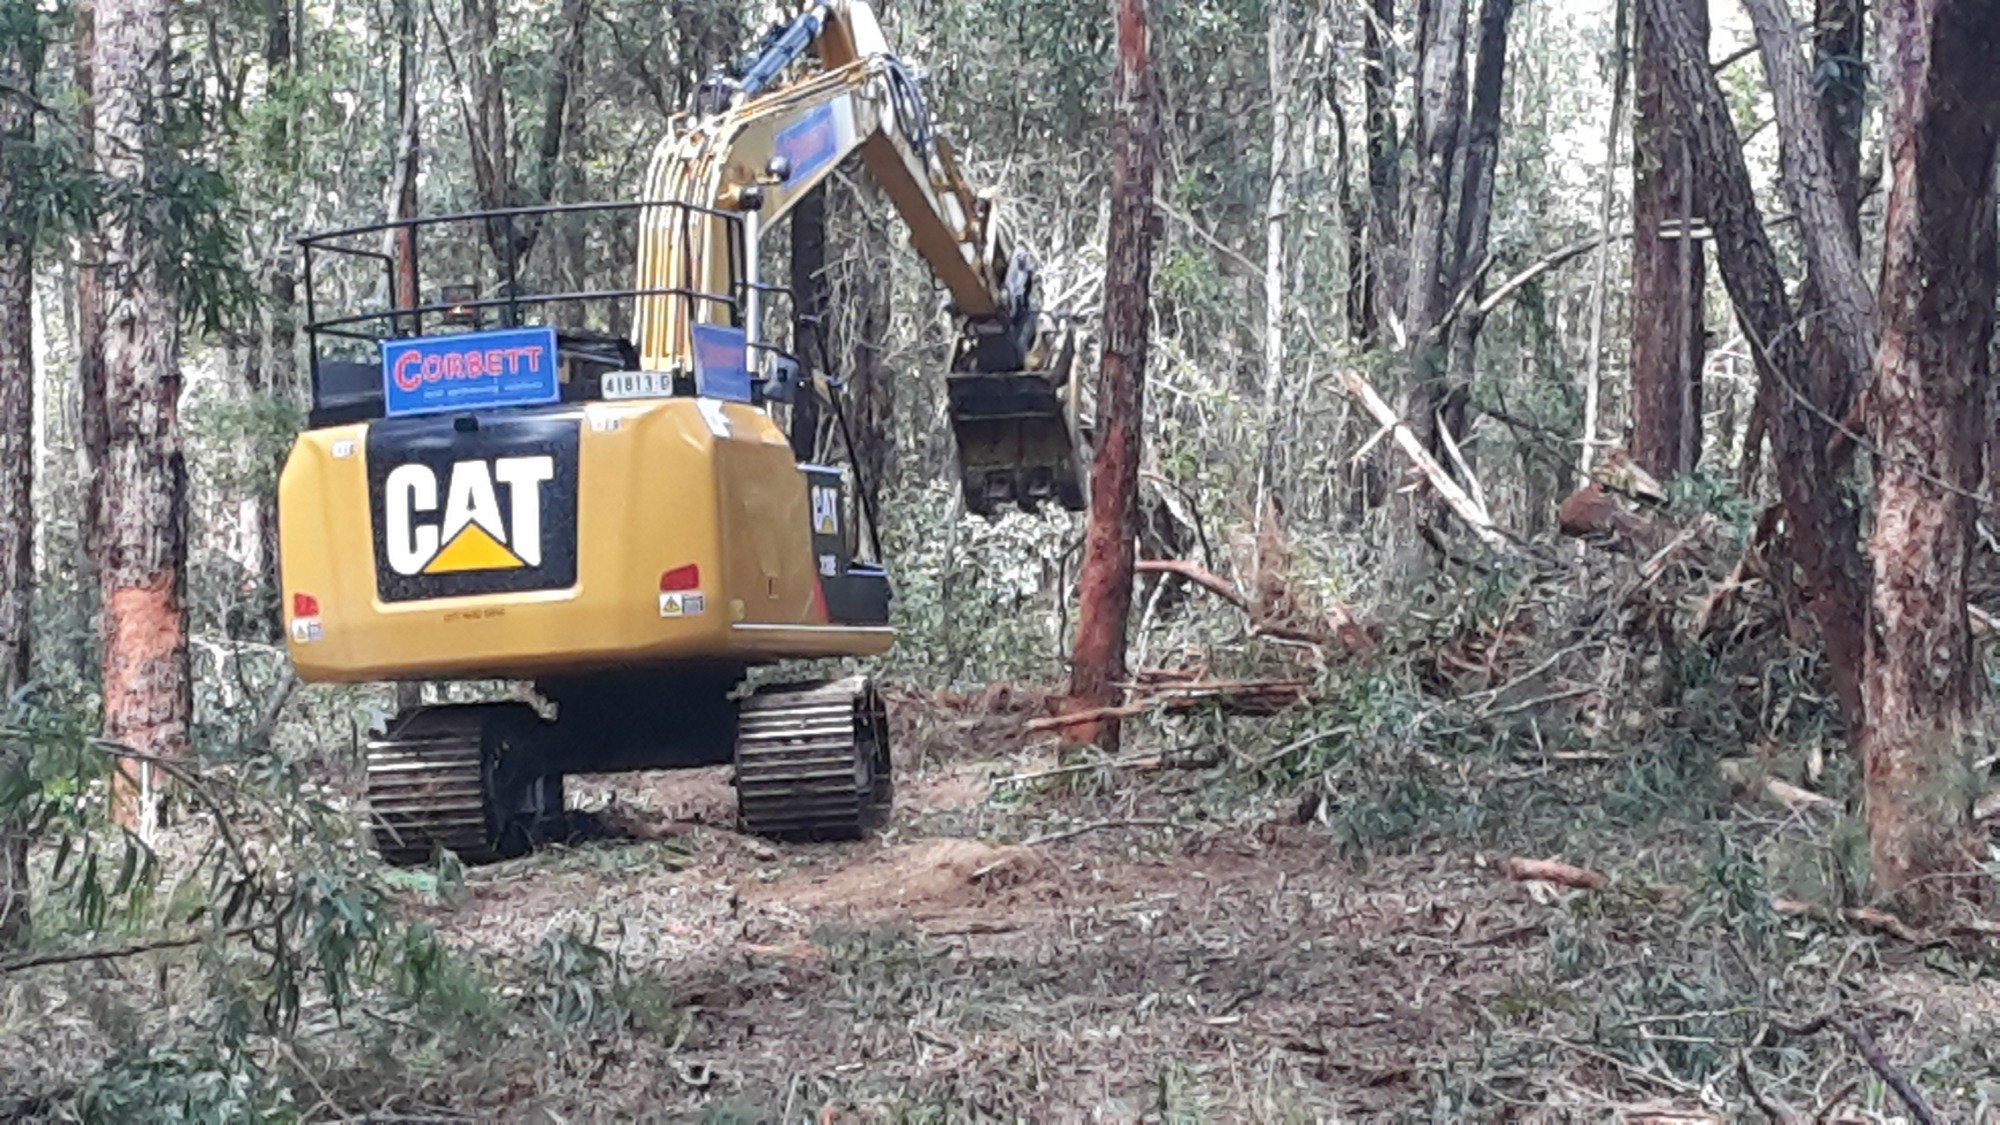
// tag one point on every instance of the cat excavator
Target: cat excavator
(586, 490)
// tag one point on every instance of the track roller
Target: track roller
(465, 777)
(812, 761)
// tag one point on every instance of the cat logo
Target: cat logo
(473, 532)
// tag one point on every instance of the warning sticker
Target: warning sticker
(683, 605)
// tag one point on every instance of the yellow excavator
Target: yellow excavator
(588, 490)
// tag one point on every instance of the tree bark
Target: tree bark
(147, 701)
(1475, 204)
(1668, 270)
(89, 309)
(1105, 585)
(1818, 505)
(866, 305)
(1381, 273)
(20, 66)
(1841, 304)
(1593, 383)
(1928, 419)
(1441, 101)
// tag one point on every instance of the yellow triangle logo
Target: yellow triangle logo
(473, 548)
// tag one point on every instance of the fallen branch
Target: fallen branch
(1457, 499)
(1200, 576)
(1871, 1053)
(117, 952)
(1096, 826)
(1258, 697)
(1553, 871)
(1148, 762)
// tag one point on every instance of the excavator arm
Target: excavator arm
(821, 88)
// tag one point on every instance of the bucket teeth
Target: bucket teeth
(812, 761)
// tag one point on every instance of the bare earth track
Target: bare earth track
(1142, 954)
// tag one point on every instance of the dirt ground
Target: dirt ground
(1137, 969)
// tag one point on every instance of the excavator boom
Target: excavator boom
(823, 87)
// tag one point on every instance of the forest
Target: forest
(1528, 653)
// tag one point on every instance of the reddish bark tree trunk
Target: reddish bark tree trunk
(1824, 522)
(18, 71)
(1939, 275)
(1668, 272)
(147, 700)
(1105, 585)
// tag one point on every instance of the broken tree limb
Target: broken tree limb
(1200, 576)
(1468, 510)
(1553, 871)
(1254, 697)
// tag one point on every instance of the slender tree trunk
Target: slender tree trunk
(1441, 98)
(1105, 585)
(147, 701)
(20, 65)
(811, 303)
(1668, 271)
(866, 305)
(89, 311)
(1381, 283)
(403, 185)
(1276, 44)
(1593, 383)
(1939, 275)
(1475, 204)
(1819, 508)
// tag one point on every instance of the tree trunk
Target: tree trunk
(1818, 506)
(89, 311)
(1276, 44)
(19, 70)
(1668, 271)
(810, 305)
(1381, 274)
(867, 304)
(1441, 101)
(1105, 585)
(1593, 383)
(1475, 202)
(1939, 275)
(147, 700)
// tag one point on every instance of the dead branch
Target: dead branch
(1553, 871)
(117, 952)
(1200, 576)
(1857, 1033)
(1457, 499)
(1097, 826)
(1146, 762)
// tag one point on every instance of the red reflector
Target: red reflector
(305, 605)
(680, 578)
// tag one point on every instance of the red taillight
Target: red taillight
(680, 578)
(305, 605)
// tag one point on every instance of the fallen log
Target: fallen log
(1524, 870)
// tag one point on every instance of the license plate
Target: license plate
(638, 384)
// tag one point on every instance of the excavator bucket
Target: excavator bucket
(1019, 437)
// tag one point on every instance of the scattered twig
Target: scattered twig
(1553, 871)
(1200, 576)
(1097, 826)
(1148, 762)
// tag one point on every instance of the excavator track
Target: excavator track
(434, 782)
(812, 761)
